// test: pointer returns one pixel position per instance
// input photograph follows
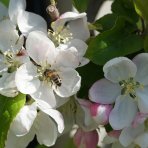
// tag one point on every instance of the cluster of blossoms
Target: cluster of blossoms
(42, 64)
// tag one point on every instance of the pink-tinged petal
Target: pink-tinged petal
(28, 22)
(40, 48)
(115, 133)
(70, 82)
(46, 130)
(15, 7)
(86, 139)
(57, 116)
(141, 61)
(26, 78)
(44, 97)
(119, 69)
(123, 113)
(104, 92)
(128, 134)
(142, 97)
(139, 119)
(100, 113)
(142, 140)
(24, 120)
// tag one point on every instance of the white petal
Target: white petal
(77, 24)
(83, 116)
(40, 48)
(3, 11)
(70, 80)
(119, 69)
(67, 58)
(61, 101)
(26, 78)
(123, 113)
(79, 45)
(80, 50)
(141, 61)
(46, 130)
(9, 37)
(7, 85)
(142, 140)
(18, 142)
(142, 95)
(44, 96)
(128, 135)
(28, 22)
(15, 7)
(104, 92)
(24, 120)
(57, 116)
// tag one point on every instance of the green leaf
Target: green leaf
(119, 41)
(107, 22)
(9, 107)
(125, 8)
(5, 2)
(81, 5)
(89, 73)
(141, 7)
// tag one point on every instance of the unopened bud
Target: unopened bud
(53, 12)
(100, 113)
(86, 139)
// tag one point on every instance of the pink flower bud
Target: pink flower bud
(100, 113)
(84, 139)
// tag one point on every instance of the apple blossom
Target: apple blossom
(125, 84)
(136, 133)
(48, 74)
(70, 25)
(12, 55)
(30, 121)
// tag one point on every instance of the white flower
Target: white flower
(48, 74)
(71, 25)
(26, 21)
(30, 122)
(137, 133)
(12, 55)
(126, 84)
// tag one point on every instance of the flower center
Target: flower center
(129, 86)
(61, 35)
(11, 61)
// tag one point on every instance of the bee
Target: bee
(53, 76)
